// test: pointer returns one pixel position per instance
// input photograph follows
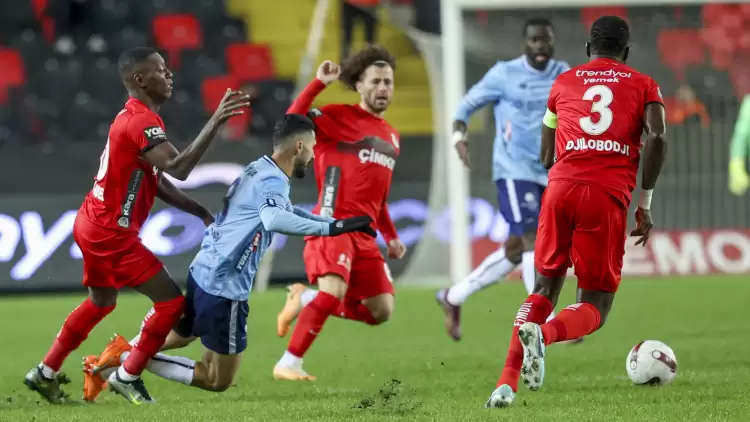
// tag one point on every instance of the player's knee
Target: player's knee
(222, 385)
(514, 249)
(333, 284)
(381, 314)
(380, 307)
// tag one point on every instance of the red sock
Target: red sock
(75, 329)
(153, 334)
(355, 311)
(536, 309)
(310, 322)
(571, 323)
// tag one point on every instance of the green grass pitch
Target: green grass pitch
(704, 319)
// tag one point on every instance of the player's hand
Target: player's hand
(354, 224)
(396, 249)
(230, 105)
(462, 147)
(328, 72)
(644, 224)
(739, 180)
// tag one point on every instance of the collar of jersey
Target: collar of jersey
(273, 163)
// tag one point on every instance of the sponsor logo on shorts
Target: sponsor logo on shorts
(345, 261)
(600, 145)
(602, 76)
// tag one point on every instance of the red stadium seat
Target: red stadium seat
(712, 13)
(681, 48)
(12, 72)
(249, 62)
(213, 89)
(590, 14)
(739, 74)
(177, 32)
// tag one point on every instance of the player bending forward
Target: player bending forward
(354, 160)
(597, 113)
(107, 224)
(222, 273)
(518, 90)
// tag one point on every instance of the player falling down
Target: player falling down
(221, 275)
(354, 160)
(518, 90)
(592, 131)
(107, 224)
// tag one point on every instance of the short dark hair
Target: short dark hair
(353, 67)
(130, 58)
(290, 125)
(535, 22)
(609, 35)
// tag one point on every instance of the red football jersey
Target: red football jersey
(600, 109)
(125, 185)
(355, 155)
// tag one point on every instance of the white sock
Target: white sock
(289, 360)
(493, 269)
(125, 376)
(173, 368)
(528, 272)
(47, 372)
(307, 296)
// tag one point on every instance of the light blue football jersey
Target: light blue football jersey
(519, 95)
(256, 205)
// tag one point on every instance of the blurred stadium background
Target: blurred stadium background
(59, 91)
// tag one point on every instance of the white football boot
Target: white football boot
(532, 370)
(503, 396)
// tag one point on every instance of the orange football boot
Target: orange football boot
(93, 384)
(110, 357)
(291, 309)
(291, 373)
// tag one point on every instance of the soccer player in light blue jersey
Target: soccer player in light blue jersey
(518, 91)
(221, 276)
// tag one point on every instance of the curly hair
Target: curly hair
(355, 66)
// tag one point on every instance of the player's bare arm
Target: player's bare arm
(174, 196)
(654, 154)
(179, 164)
(547, 150)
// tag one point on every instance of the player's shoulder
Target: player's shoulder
(328, 110)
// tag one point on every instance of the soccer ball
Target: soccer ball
(651, 362)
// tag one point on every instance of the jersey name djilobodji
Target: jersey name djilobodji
(126, 185)
(355, 155)
(600, 117)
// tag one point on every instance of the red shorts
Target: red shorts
(112, 258)
(355, 258)
(583, 226)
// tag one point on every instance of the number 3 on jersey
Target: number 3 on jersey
(228, 197)
(103, 163)
(602, 97)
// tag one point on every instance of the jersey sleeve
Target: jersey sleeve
(554, 95)
(653, 93)
(274, 192)
(324, 119)
(146, 131)
(488, 90)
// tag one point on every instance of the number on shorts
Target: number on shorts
(600, 107)
(230, 192)
(103, 163)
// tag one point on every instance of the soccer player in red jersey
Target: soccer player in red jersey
(591, 139)
(355, 154)
(107, 224)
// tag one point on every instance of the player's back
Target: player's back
(600, 111)
(355, 155)
(234, 244)
(125, 185)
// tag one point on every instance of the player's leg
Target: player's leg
(492, 269)
(45, 378)
(598, 251)
(370, 296)
(328, 262)
(144, 272)
(552, 258)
